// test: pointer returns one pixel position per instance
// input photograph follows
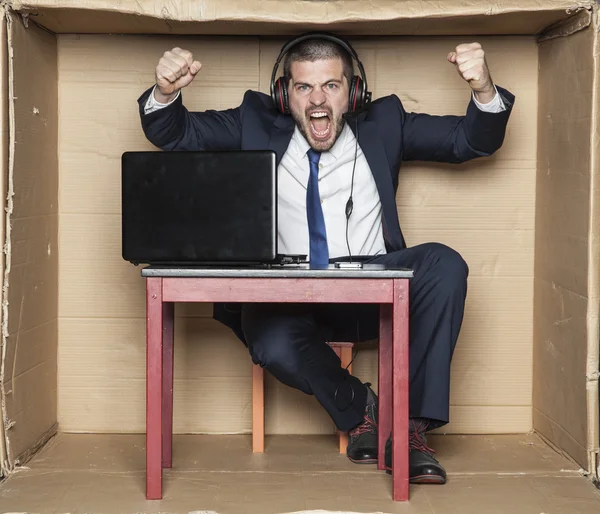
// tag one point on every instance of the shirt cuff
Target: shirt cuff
(495, 105)
(153, 105)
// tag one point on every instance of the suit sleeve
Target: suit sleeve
(455, 139)
(175, 128)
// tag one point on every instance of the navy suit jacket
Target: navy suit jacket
(387, 133)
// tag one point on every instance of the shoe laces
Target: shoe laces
(367, 426)
(417, 440)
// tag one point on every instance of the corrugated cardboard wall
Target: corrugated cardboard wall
(29, 378)
(276, 17)
(484, 209)
(593, 337)
(4, 144)
(562, 239)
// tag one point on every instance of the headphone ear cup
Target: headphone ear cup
(357, 95)
(352, 95)
(280, 96)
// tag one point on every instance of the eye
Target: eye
(332, 85)
(303, 87)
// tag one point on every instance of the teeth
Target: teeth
(318, 115)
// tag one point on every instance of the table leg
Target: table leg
(154, 370)
(168, 324)
(385, 380)
(400, 384)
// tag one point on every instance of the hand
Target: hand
(471, 65)
(175, 70)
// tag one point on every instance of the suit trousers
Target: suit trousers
(289, 340)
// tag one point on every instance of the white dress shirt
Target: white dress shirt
(365, 234)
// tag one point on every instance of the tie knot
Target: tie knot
(313, 156)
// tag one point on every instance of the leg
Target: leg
(154, 370)
(437, 297)
(290, 343)
(400, 373)
(258, 409)
(354, 323)
(168, 323)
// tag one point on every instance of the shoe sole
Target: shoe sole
(423, 479)
(364, 461)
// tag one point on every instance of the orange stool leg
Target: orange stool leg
(258, 409)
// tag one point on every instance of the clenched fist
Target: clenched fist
(471, 65)
(175, 69)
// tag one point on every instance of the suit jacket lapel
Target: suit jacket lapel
(374, 152)
(281, 134)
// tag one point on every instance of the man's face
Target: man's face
(318, 96)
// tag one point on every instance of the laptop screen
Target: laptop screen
(199, 207)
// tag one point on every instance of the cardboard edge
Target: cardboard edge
(560, 440)
(37, 446)
(217, 17)
(593, 312)
(208, 11)
(7, 465)
(581, 20)
(3, 172)
(559, 451)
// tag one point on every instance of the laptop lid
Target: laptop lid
(184, 207)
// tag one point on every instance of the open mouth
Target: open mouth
(320, 124)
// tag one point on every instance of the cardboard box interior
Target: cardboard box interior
(526, 220)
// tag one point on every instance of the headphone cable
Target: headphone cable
(349, 203)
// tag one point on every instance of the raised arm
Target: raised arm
(480, 132)
(169, 125)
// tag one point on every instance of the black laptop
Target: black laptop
(199, 208)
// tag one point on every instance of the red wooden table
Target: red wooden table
(389, 288)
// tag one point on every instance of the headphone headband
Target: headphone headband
(319, 35)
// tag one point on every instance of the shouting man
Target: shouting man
(338, 158)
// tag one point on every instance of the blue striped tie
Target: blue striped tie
(319, 254)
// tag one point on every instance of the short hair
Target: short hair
(315, 50)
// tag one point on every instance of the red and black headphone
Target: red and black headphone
(359, 97)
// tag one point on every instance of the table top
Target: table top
(276, 271)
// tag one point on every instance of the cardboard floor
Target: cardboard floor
(105, 473)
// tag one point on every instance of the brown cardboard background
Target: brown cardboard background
(30, 360)
(593, 335)
(562, 238)
(483, 209)
(460, 16)
(4, 145)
